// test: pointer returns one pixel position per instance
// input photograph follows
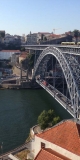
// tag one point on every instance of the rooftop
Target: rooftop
(65, 134)
(49, 154)
(10, 51)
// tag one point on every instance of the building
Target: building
(62, 140)
(57, 39)
(36, 37)
(8, 39)
(32, 38)
(23, 56)
(15, 58)
(7, 54)
(49, 154)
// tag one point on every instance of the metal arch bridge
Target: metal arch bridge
(65, 48)
(65, 73)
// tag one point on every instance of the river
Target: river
(19, 110)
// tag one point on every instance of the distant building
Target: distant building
(58, 39)
(23, 56)
(32, 38)
(61, 141)
(10, 39)
(51, 36)
(7, 54)
(35, 37)
(15, 58)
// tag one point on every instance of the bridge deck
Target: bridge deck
(58, 96)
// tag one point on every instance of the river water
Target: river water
(19, 110)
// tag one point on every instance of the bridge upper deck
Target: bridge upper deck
(71, 49)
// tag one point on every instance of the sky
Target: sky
(22, 16)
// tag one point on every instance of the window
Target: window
(42, 145)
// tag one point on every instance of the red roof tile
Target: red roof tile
(49, 154)
(10, 51)
(23, 56)
(66, 135)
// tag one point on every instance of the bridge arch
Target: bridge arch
(70, 80)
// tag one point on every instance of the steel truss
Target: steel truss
(71, 71)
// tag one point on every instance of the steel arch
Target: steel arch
(70, 80)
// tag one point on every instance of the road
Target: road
(18, 149)
(9, 78)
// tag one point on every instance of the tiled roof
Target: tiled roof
(54, 35)
(10, 51)
(66, 135)
(23, 56)
(43, 32)
(49, 154)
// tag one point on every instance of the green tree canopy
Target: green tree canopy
(22, 48)
(45, 39)
(42, 37)
(76, 34)
(47, 118)
(2, 34)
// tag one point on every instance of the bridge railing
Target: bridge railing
(63, 100)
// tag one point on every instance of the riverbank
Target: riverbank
(21, 151)
(16, 153)
(22, 85)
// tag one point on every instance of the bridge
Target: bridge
(57, 70)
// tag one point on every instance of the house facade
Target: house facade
(7, 54)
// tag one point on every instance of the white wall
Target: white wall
(37, 146)
(6, 55)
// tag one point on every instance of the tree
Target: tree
(55, 120)
(47, 119)
(2, 34)
(43, 119)
(76, 34)
(42, 37)
(22, 48)
(51, 114)
(45, 39)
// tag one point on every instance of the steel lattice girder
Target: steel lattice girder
(68, 74)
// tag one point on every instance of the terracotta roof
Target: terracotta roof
(49, 154)
(66, 135)
(23, 55)
(54, 35)
(23, 52)
(43, 32)
(10, 51)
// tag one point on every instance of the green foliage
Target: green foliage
(22, 49)
(51, 114)
(76, 33)
(2, 34)
(42, 37)
(45, 39)
(47, 118)
(9, 66)
(43, 119)
(31, 60)
(55, 120)
(28, 63)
